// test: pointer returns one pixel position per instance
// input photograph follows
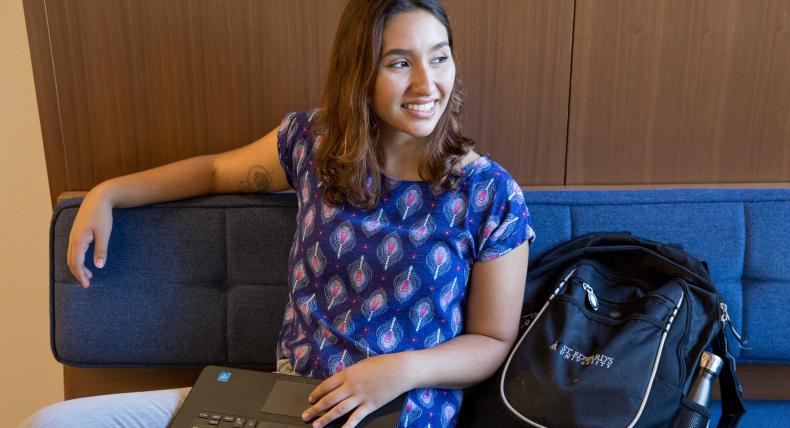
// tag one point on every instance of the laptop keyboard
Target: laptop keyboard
(214, 420)
(218, 420)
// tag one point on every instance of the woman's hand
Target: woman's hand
(361, 388)
(92, 224)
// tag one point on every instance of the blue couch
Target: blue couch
(203, 281)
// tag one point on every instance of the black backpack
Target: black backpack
(613, 329)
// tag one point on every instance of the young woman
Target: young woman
(408, 266)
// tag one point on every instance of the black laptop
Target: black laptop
(228, 397)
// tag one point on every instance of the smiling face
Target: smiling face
(415, 76)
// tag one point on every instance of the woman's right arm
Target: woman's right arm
(252, 168)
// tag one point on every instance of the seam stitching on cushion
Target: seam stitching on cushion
(225, 287)
(571, 220)
(746, 245)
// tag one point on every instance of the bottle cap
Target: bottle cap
(711, 362)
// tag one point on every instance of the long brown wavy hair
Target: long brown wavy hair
(349, 156)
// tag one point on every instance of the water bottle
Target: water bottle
(700, 393)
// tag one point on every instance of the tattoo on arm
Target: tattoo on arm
(258, 180)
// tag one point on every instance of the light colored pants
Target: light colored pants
(135, 409)
(150, 409)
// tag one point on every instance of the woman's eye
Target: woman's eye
(440, 59)
(399, 64)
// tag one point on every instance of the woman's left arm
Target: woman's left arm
(496, 293)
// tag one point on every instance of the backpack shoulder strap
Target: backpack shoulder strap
(731, 389)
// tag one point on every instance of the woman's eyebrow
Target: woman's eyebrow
(407, 52)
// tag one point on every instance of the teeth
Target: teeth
(420, 107)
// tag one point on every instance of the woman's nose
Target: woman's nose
(422, 81)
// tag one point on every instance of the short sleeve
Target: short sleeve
(506, 224)
(295, 144)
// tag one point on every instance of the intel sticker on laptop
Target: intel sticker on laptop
(223, 377)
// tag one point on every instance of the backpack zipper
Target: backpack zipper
(726, 320)
(590, 295)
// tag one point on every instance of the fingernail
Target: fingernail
(99, 263)
(304, 416)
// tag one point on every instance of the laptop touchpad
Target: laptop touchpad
(288, 398)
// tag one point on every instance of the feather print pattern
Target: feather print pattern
(301, 355)
(329, 212)
(299, 277)
(390, 250)
(455, 210)
(359, 274)
(393, 278)
(421, 230)
(316, 260)
(375, 222)
(334, 292)
(455, 320)
(307, 224)
(508, 226)
(463, 242)
(434, 339)
(323, 336)
(344, 324)
(375, 305)
(339, 362)
(411, 413)
(448, 294)
(448, 413)
(364, 346)
(485, 232)
(482, 195)
(426, 397)
(514, 192)
(306, 306)
(306, 189)
(389, 335)
(406, 284)
(409, 202)
(438, 260)
(343, 239)
(421, 314)
(300, 153)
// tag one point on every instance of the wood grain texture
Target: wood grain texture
(142, 83)
(47, 97)
(678, 91)
(79, 382)
(514, 56)
(137, 84)
(762, 382)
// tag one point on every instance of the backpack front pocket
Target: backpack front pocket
(577, 365)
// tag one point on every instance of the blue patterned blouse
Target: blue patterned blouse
(393, 279)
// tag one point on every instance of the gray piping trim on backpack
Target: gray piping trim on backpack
(510, 357)
(532, 324)
(657, 360)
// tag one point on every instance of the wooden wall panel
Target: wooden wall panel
(134, 84)
(141, 83)
(46, 95)
(514, 56)
(679, 91)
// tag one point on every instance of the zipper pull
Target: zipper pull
(725, 318)
(590, 295)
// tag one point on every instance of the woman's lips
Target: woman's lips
(421, 111)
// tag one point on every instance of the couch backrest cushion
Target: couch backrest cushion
(203, 281)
